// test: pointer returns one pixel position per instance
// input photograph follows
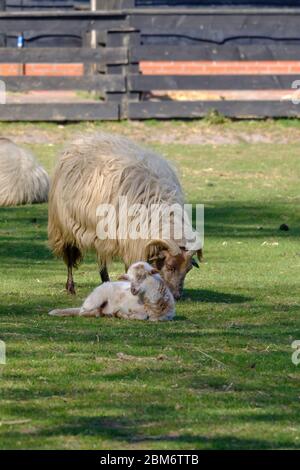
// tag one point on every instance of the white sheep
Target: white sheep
(22, 179)
(95, 170)
(141, 295)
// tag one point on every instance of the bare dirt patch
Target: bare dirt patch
(198, 132)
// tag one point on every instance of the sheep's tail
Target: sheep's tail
(65, 312)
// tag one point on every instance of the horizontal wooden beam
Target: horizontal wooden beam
(140, 83)
(59, 112)
(223, 10)
(216, 27)
(61, 22)
(109, 83)
(215, 52)
(60, 55)
(158, 11)
(197, 109)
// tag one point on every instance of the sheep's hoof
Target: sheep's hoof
(70, 286)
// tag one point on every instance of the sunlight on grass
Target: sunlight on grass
(218, 377)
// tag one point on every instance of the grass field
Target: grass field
(218, 377)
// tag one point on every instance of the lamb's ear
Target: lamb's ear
(153, 271)
(124, 277)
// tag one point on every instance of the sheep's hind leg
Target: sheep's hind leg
(70, 256)
(104, 274)
(70, 286)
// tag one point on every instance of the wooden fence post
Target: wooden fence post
(126, 38)
(119, 38)
(2, 35)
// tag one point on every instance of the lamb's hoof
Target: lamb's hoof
(53, 313)
(70, 287)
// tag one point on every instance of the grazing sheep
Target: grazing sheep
(22, 179)
(141, 295)
(97, 169)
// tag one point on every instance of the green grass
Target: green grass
(218, 377)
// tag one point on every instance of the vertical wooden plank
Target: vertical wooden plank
(3, 41)
(116, 39)
(133, 39)
(121, 39)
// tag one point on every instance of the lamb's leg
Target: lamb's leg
(91, 313)
(65, 312)
(75, 312)
(104, 274)
(138, 314)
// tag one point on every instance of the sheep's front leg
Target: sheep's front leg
(104, 274)
(136, 315)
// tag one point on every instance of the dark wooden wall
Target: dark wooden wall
(26, 5)
(127, 37)
(210, 3)
(23, 5)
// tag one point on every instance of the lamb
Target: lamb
(141, 294)
(22, 179)
(95, 170)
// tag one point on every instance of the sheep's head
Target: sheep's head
(172, 262)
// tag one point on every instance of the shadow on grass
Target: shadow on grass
(243, 220)
(204, 295)
(23, 233)
(132, 431)
(232, 219)
(25, 216)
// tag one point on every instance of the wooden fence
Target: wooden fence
(127, 37)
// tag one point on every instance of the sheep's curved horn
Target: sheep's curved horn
(169, 245)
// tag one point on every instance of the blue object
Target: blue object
(20, 42)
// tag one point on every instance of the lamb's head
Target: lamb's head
(172, 262)
(137, 275)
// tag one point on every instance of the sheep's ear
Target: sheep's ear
(200, 254)
(124, 277)
(161, 255)
(194, 263)
(153, 271)
(154, 258)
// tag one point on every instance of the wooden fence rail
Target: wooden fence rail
(127, 37)
(64, 55)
